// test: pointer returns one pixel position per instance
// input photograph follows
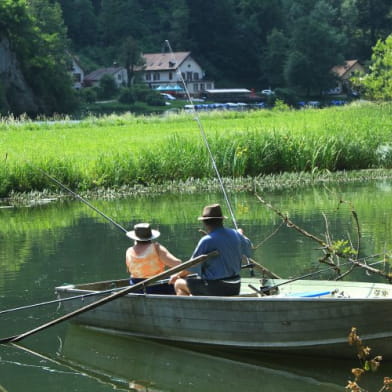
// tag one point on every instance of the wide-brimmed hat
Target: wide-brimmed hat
(213, 211)
(143, 232)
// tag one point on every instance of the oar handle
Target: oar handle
(113, 296)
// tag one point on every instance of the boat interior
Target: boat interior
(256, 287)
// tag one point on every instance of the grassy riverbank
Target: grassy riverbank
(125, 151)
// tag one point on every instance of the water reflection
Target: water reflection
(66, 242)
(149, 366)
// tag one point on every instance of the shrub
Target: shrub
(88, 94)
(107, 87)
(126, 96)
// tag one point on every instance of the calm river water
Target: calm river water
(46, 245)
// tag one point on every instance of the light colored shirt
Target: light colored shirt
(144, 264)
(231, 246)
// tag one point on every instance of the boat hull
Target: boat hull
(300, 325)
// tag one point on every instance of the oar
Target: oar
(111, 297)
(54, 301)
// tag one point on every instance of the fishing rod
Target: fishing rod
(204, 137)
(82, 199)
(267, 289)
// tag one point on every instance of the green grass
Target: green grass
(115, 151)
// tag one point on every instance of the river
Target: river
(47, 244)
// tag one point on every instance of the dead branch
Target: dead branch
(327, 248)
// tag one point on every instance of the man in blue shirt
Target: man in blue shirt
(219, 275)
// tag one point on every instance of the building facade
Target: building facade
(170, 71)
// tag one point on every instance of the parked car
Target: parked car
(267, 92)
(168, 96)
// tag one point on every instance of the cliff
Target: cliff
(15, 95)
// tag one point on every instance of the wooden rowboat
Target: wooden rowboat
(299, 317)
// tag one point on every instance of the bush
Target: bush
(126, 96)
(107, 87)
(141, 92)
(155, 99)
(287, 95)
(88, 94)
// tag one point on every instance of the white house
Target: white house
(119, 75)
(343, 73)
(167, 71)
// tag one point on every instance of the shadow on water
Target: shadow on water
(150, 366)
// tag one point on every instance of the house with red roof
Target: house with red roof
(167, 72)
(343, 73)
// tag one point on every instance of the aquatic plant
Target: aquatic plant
(367, 364)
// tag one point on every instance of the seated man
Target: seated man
(219, 275)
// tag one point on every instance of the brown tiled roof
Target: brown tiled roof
(164, 61)
(98, 73)
(341, 70)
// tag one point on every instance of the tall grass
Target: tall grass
(114, 151)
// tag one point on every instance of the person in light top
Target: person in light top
(147, 258)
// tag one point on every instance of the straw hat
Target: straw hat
(143, 232)
(213, 211)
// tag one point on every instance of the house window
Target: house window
(170, 75)
(195, 87)
(189, 76)
(201, 86)
(157, 76)
(119, 77)
(148, 76)
(183, 75)
(195, 76)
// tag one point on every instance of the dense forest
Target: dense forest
(240, 43)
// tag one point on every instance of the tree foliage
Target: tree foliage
(258, 44)
(37, 35)
(377, 84)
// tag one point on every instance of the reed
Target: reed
(127, 150)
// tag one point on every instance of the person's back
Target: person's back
(143, 260)
(146, 258)
(219, 275)
(231, 246)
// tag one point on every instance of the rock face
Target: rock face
(17, 96)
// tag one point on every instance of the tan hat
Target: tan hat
(213, 211)
(143, 232)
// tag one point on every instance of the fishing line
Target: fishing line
(204, 137)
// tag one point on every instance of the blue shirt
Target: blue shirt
(231, 246)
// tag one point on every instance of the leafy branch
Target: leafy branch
(334, 250)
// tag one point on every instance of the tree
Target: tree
(364, 22)
(37, 38)
(81, 21)
(377, 84)
(315, 47)
(273, 64)
(46, 65)
(131, 56)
